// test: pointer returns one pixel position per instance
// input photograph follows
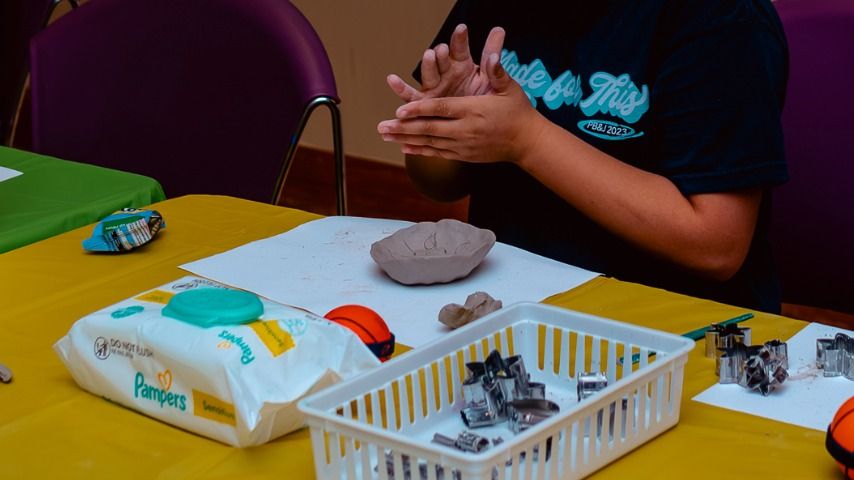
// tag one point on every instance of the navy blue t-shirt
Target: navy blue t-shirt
(688, 89)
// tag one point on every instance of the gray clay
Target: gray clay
(428, 252)
(477, 305)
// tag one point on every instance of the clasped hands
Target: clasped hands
(463, 111)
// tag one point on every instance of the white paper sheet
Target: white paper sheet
(806, 398)
(326, 263)
(7, 173)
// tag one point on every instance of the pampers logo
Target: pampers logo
(246, 356)
(160, 394)
(616, 96)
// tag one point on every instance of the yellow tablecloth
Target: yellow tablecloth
(49, 428)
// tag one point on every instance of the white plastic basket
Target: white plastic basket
(420, 393)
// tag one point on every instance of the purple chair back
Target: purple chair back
(206, 96)
(813, 224)
(19, 21)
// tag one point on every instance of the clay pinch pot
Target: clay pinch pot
(432, 252)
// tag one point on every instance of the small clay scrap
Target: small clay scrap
(428, 252)
(5, 374)
(477, 305)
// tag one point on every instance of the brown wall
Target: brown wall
(366, 40)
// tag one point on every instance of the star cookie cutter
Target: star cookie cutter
(725, 336)
(492, 384)
(755, 367)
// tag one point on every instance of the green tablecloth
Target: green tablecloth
(54, 196)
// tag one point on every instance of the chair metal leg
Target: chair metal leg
(337, 146)
(338, 152)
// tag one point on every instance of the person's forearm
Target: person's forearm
(709, 234)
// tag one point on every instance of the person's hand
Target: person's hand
(498, 126)
(450, 71)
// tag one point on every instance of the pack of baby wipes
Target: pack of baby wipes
(219, 362)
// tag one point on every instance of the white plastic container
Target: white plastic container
(235, 383)
(420, 393)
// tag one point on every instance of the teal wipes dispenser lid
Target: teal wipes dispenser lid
(208, 307)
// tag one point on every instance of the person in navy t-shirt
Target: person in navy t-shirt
(636, 139)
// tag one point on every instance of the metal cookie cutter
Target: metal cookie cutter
(780, 351)
(5, 374)
(483, 396)
(589, 383)
(465, 441)
(523, 414)
(730, 362)
(491, 384)
(407, 463)
(836, 356)
(522, 387)
(725, 336)
(763, 372)
(756, 367)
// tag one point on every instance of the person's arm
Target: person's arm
(446, 70)
(709, 234)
